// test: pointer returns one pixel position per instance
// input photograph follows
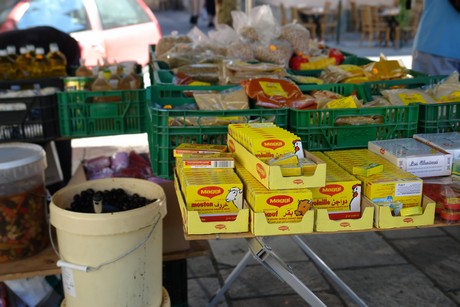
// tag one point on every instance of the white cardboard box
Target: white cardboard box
(448, 142)
(414, 157)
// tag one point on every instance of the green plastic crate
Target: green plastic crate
(163, 89)
(163, 137)
(437, 118)
(373, 88)
(318, 130)
(81, 114)
(433, 118)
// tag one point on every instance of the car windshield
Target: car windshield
(120, 13)
(5, 8)
(67, 16)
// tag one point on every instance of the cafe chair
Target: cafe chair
(328, 21)
(354, 16)
(310, 24)
(373, 27)
(283, 16)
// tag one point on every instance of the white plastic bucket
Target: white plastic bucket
(111, 259)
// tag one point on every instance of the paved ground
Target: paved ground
(389, 268)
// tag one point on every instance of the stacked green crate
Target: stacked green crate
(319, 129)
(433, 118)
(102, 113)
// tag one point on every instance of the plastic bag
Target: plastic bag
(277, 93)
(298, 36)
(446, 193)
(166, 43)
(448, 90)
(259, 25)
(231, 99)
(277, 51)
(404, 97)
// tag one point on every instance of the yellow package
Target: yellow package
(367, 169)
(214, 160)
(291, 170)
(198, 148)
(341, 196)
(279, 206)
(390, 185)
(212, 190)
(286, 159)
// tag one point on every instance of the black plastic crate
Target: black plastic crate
(32, 119)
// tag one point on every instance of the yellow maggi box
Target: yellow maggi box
(384, 219)
(197, 148)
(323, 222)
(212, 191)
(214, 160)
(391, 185)
(271, 176)
(291, 170)
(341, 196)
(286, 159)
(261, 227)
(266, 142)
(279, 206)
(193, 225)
(367, 169)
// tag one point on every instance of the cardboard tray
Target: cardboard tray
(271, 176)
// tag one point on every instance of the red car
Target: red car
(120, 30)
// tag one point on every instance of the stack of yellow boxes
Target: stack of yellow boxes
(339, 205)
(209, 191)
(277, 206)
(392, 190)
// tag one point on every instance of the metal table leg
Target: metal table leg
(318, 261)
(267, 258)
(230, 279)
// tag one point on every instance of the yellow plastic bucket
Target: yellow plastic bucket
(110, 259)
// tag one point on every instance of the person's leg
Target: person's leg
(211, 10)
(195, 11)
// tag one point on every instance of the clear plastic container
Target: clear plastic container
(23, 226)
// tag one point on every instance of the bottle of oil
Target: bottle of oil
(128, 82)
(30, 51)
(57, 61)
(114, 79)
(12, 56)
(6, 68)
(83, 70)
(23, 64)
(101, 84)
(40, 66)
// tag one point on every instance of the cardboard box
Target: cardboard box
(414, 157)
(271, 176)
(278, 206)
(392, 184)
(448, 142)
(341, 196)
(384, 219)
(323, 222)
(261, 227)
(212, 190)
(193, 225)
(173, 234)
